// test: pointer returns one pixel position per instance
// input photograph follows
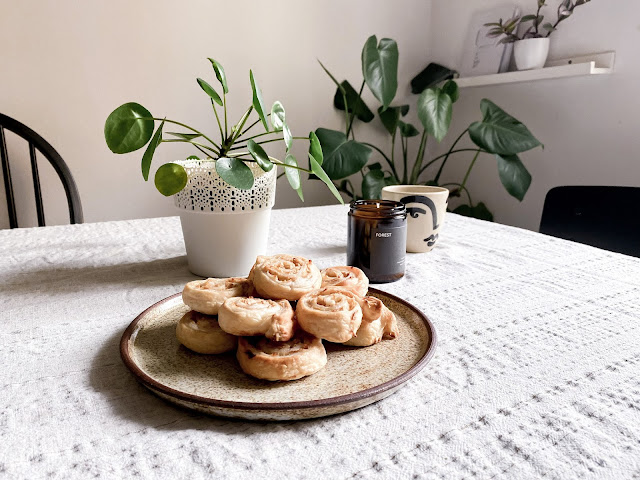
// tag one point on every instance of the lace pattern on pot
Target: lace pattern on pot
(207, 192)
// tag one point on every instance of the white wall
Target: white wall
(589, 125)
(66, 65)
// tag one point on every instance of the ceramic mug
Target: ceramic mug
(426, 207)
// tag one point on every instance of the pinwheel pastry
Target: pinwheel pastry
(332, 313)
(202, 334)
(350, 277)
(378, 322)
(206, 296)
(284, 276)
(262, 358)
(246, 316)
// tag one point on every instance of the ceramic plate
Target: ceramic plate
(214, 384)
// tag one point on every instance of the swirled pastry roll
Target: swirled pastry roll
(350, 277)
(284, 276)
(332, 313)
(378, 322)
(202, 334)
(206, 296)
(301, 356)
(246, 316)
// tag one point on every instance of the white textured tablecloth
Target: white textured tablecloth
(537, 371)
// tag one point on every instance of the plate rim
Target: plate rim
(153, 384)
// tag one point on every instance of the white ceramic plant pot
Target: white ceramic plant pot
(531, 53)
(224, 228)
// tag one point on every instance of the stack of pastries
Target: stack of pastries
(278, 316)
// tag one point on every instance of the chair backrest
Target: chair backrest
(36, 142)
(604, 217)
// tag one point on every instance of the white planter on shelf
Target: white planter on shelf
(531, 53)
(224, 228)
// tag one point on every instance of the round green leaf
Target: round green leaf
(192, 157)
(315, 148)
(259, 155)
(288, 137)
(380, 68)
(210, 91)
(513, 175)
(170, 179)
(258, 103)
(277, 116)
(500, 133)
(434, 111)
(235, 173)
(342, 157)
(128, 128)
(151, 149)
(293, 174)
(220, 75)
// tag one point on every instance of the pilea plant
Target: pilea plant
(497, 133)
(131, 126)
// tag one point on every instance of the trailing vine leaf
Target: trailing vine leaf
(293, 174)
(258, 103)
(355, 102)
(259, 155)
(316, 168)
(434, 111)
(128, 128)
(220, 75)
(342, 157)
(479, 211)
(151, 149)
(235, 173)
(315, 148)
(277, 116)
(208, 89)
(513, 175)
(380, 68)
(500, 133)
(170, 179)
(391, 116)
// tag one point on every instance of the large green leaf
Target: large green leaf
(479, 211)
(315, 148)
(220, 75)
(258, 103)
(380, 68)
(128, 128)
(431, 76)
(259, 155)
(151, 149)
(316, 168)
(235, 173)
(391, 116)
(372, 184)
(500, 133)
(513, 175)
(293, 174)
(170, 179)
(354, 101)
(342, 157)
(451, 88)
(209, 90)
(434, 111)
(278, 116)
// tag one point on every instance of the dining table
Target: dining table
(536, 371)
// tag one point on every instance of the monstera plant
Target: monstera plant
(496, 133)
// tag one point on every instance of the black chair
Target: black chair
(604, 217)
(36, 142)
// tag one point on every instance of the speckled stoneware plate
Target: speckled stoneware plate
(214, 384)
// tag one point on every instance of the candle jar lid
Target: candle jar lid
(378, 209)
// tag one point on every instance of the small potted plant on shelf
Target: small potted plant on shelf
(226, 192)
(497, 134)
(530, 35)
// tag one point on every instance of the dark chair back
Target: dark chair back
(604, 217)
(36, 142)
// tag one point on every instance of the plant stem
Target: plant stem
(462, 187)
(187, 127)
(252, 125)
(449, 153)
(222, 135)
(229, 142)
(415, 172)
(224, 102)
(281, 164)
(391, 165)
(405, 173)
(260, 135)
(281, 175)
(353, 114)
(265, 141)
(393, 149)
(196, 144)
(432, 161)
(466, 177)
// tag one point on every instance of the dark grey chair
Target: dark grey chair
(604, 217)
(36, 142)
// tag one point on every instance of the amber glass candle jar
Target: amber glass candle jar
(377, 239)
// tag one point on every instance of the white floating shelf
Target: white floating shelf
(596, 64)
